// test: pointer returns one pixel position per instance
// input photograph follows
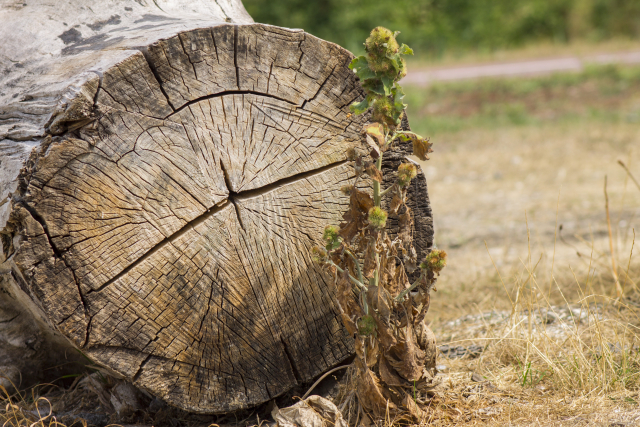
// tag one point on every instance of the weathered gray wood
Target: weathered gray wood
(165, 174)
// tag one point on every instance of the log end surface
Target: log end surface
(163, 223)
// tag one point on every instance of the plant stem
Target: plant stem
(376, 193)
(402, 294)
(382, 193)
(355, 260)
(376, 184)
(353, 279)
(363, 301)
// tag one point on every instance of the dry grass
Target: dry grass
(532, 272)
(505, 193)
(28, 410)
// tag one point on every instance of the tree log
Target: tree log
(166, 167)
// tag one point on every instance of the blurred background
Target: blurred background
(530, 104)
(435, 28)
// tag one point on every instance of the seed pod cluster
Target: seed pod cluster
(377, 218)
(406, 172)
(435, 261)
(331, 237)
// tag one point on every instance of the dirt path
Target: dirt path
(426, 76)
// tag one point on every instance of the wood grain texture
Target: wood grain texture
(163, 224)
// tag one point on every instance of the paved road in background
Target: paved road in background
(523, 68)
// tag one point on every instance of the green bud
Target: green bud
(382, 111)
(406, 172)
(380, 46)
(332, 237)
(382, 41)
(319, 255)
(330, 232)
(377, 218)
(366, 325)
(435, 261)
(379, 64)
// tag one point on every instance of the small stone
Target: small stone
(477, 378)
(475, 350)
(156, 405)
(549, 317)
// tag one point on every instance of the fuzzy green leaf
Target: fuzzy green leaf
(387, 83)
(405, 50)
(360, 66)
(374, 85)
(360, 107)
(398, 96)
(394, 59)
(357, 63)
(398, 105)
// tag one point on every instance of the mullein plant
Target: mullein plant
(383, 311)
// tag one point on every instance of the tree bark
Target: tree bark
(166, 168)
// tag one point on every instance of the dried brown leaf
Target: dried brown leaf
(406, 357)
(426, 340)
(383, 262)
(410, 259)
(413, 408)
(375, 150)
(349, 324)
(370, 392)
(349, 264)
(389, 375)
(378, 299)
(396, 202)
(386, 335)
(388, 264)
(423, 298)
(407, 308)
(376, 132)
(400, 281)
(422, 148)
(356, 216)
(336, 257)
(371, 170)
(369, 262)
(405, 234)
(405, 227)
(349, 308)
(389, 275)
(367, 347)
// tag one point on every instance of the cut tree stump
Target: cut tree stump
(166, 167)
